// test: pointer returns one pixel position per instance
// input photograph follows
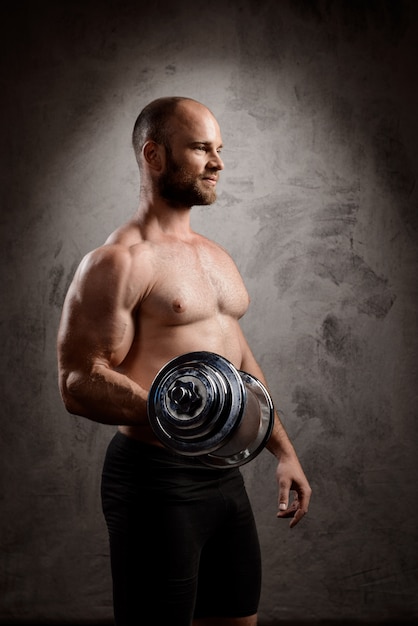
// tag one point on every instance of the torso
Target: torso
(193, 300)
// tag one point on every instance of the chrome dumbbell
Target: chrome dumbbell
(200, 405)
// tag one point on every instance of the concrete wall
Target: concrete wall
(318, 206)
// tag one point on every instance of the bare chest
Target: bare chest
(192, 285)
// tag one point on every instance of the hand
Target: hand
(290, 477)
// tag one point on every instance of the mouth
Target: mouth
(211, 180)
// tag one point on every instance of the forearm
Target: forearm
(279, 443)
(106, 396)
(289, 473)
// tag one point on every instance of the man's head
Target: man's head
(177, 142)
(153, 124)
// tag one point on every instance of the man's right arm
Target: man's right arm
(96, 332)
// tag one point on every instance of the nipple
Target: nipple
(178, 306)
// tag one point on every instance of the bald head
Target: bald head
(155, 122)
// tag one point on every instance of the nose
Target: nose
(216, 162)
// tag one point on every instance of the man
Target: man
(184, 547)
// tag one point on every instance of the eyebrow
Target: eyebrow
(205, 143)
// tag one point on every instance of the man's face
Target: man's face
(192, 161)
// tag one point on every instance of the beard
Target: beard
(181, 189)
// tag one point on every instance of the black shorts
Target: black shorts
(183, 541)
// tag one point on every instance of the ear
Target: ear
(154, 154)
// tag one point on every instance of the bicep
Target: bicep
(97, 324)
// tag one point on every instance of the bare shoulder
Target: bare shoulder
(110, 262)
(119, 269)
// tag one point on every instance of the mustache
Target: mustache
(212, 174)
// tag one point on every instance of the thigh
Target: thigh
(230, 564)
(159, 514)
(155, 570)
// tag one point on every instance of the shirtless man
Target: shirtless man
(184, 548)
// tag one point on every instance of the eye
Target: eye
(202, 147)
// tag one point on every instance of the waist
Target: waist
(141, 455)
(142, 434)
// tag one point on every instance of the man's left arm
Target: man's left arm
(289, 474)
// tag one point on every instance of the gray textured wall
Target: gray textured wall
(318, 206)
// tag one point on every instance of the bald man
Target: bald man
(183, 542)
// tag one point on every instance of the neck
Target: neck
(156, 217)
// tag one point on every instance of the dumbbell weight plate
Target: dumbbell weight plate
(196, 402)
(253, 432)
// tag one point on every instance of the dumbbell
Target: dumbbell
(200, 405)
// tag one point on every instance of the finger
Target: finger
(302, 510)
(297, 517)
(283, 498)
(290, 511)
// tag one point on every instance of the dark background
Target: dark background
(318, 206)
